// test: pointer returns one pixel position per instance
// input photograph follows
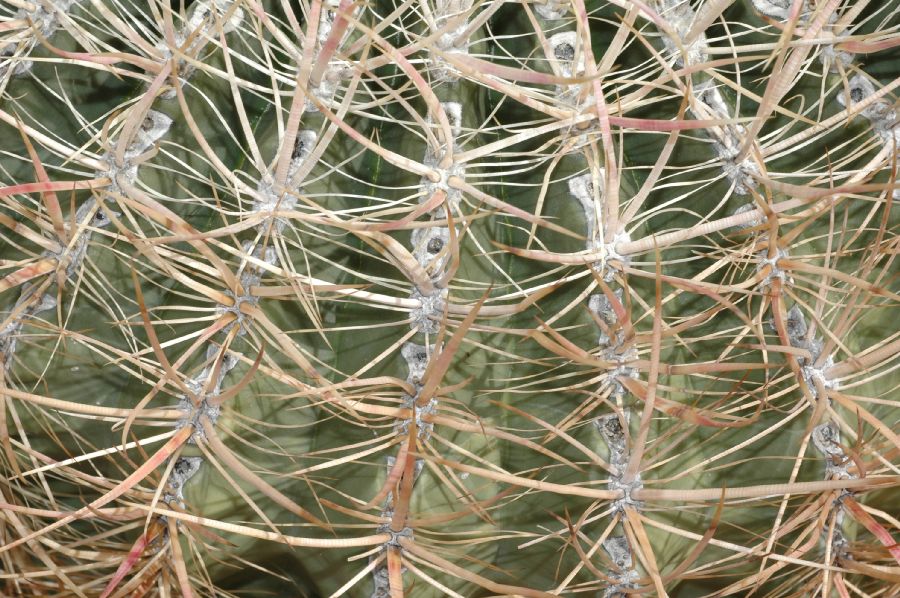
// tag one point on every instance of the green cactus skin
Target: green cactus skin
(449, 298)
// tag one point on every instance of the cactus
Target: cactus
(449, 298)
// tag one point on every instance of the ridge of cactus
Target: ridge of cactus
(449, 298)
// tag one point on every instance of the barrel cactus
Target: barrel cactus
(444, 297)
